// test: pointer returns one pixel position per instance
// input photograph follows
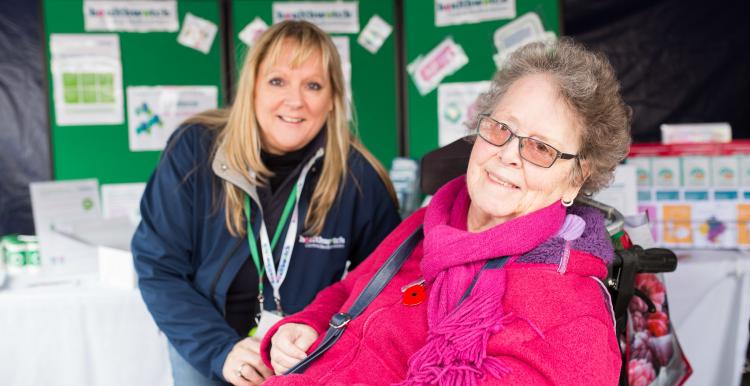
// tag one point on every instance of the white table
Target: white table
(80, 335)
(89, 335)
(709, 296)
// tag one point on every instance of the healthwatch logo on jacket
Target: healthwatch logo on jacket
(323, 242)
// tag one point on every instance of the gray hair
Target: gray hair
(587, 83)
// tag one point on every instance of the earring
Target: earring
(566, 203)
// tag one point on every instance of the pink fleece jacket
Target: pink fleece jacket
(562, 333)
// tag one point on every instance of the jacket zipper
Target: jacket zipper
(221, 270)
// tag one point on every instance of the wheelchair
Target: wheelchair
(448, 162)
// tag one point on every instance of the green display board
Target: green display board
(422, 35)
(373, 80)
(148, 59)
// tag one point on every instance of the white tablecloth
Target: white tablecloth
(80, 336)
(88, 335)
(709, 296)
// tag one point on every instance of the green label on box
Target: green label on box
(696, 195)
(667, 195)
(725, 195)
(15, 259)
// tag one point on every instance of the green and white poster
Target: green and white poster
(86, 79)
(154, 112)
(456, 106)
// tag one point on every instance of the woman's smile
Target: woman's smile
(502, 182)
(289, 119)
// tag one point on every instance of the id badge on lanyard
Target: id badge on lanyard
(275, 275)
(265, 321)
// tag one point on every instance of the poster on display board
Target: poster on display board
(456, 107)
(454, 12)
(86, 79)
(154, 112)
(252, 31)
(130, 16)
(330, 16)
(197, 33)
(427, 71)
(57, 206)
(524, 30)
(374, 34)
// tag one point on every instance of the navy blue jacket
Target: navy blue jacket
(186, 258)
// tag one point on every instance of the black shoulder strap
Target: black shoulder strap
(374, 287)
(495, 263)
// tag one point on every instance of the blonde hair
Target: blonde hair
(239, 133)
(588, 84)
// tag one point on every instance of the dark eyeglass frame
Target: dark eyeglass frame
(559, 154)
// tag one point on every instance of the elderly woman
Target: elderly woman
(552, 126)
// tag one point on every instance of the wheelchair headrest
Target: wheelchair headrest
(444, 164)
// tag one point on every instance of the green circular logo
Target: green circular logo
(726, 173)
(665, 174)
(642, 175)
(452, 113)
(698, 174)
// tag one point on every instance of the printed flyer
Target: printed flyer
(86, 79)
(155, 112)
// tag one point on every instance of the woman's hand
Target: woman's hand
(289, 345)
(243, 366)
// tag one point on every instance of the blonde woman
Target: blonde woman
(255, 208)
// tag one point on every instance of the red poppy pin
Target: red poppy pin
(413, 293)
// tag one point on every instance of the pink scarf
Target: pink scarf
(455, 351)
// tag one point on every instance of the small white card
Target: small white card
(250, 34)
(122, 200)
(429, 70)
(197, 33)
(374, 35)
(267, 320)
(57, 206)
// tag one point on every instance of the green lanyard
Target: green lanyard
(259, 267)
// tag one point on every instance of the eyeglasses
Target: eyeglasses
(532, 150)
